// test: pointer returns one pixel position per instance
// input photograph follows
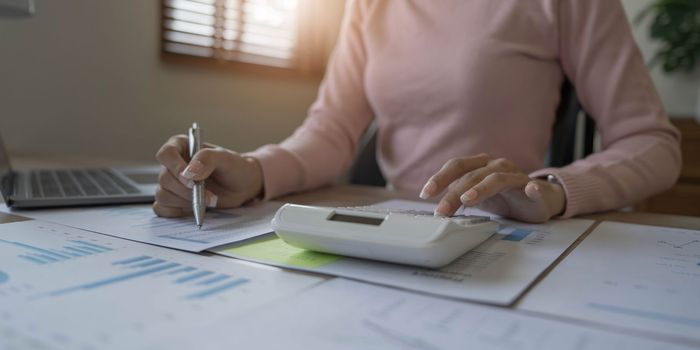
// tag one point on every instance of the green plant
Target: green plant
(676, 24)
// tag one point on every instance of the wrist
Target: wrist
(558, 202)
(258, 183)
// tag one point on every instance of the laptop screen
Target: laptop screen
(5, 173)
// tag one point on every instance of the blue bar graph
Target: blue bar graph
(69, 253)
(148, 263)
(188, 282)
(184, 269)
(216, 290)
(193, 276)
(92, 245)
(91, 249)
(131, 260)
(77, 250)
(33, 259)
(517, 235)
(194, 283)
(46, 257)
(113, 280)
(41, 256)
(213, 280)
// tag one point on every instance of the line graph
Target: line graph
(680, 246)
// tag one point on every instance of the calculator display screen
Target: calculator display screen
(356, 219)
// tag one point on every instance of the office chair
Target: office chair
(562, 148)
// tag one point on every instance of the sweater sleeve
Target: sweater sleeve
(323, 147)
(641, 151)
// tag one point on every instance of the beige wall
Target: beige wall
(84, 77)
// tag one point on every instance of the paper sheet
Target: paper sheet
(497, 271)
(633, 276)
(342, 314)
(63, 288)
(139, 223)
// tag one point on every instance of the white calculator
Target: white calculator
(398, 236)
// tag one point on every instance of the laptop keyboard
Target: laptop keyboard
(78, 183)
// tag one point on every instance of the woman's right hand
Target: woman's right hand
(231, 179)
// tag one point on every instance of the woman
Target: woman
(465, 94)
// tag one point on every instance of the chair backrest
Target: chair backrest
(365, 170)
(562, 148)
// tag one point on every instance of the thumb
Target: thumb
(533, 191)
(547, 194)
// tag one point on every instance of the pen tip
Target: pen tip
(199, 226)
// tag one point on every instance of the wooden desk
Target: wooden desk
(684, 197)
(345, 195)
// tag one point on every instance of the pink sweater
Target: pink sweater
(455, 78)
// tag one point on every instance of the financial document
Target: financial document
(496, 272)
(63, 288)
(139, 223)
(342, 314)
(633, 276)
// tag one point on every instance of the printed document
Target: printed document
(631, 276)
(496, 272)
(341, 314)
(139, 223)
(63, 288)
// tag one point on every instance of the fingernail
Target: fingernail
(211, 201)
(428, 189)
(533, 190)
(469, 195)
(192, 170)
(442, 209)
(187, 174)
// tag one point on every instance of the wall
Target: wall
(84, 78)
(679, 91)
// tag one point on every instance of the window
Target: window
(260, 32)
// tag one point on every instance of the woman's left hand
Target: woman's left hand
(494, 185)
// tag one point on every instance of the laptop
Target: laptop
(72, 187)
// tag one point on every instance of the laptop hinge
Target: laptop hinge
(7, 187)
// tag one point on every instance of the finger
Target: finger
(492, 185)
(170, 199)
(451, 171)
(547, 194)
(173, 187)
(171, 183)
(172, 155)
(170, 212)
(204, 163)
(226, 199)
(451, 201)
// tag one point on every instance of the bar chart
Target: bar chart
(39, 255)
(203, 283)
(139, 293)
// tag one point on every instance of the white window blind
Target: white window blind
(261, 32)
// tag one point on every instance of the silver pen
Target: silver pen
(198, 204)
